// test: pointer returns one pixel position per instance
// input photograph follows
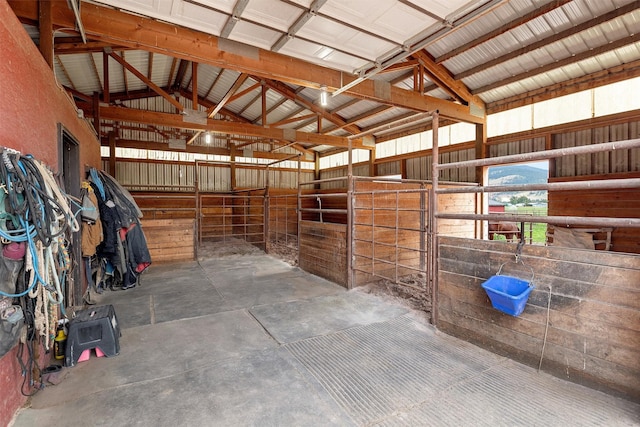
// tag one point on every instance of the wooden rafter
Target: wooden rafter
(157, 89)
(124, 72)
(182, 71)
(199, 149)
(75, 45)
(149, 65)
(211, 112)
(400, 120)
(364, 116)
(174, 63)
(222, 127)
(443, 78)
(244, 92)
(213, 84)
(286, 91)
(45, 30)
(292, 120)
(194, 85)
(94, 69)
(143, 33)
(209, 104)
(64, 71)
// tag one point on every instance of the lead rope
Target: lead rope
(546, 329)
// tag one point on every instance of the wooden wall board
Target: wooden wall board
(594, 309)
(323, 250)
(617, 203)
(170, 240)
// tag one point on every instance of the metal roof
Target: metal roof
(484, 53)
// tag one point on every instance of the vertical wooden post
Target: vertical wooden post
(372, 162)
(96, 115)
(481, 174)
(105, 74)
(316, 175)
(552, 162)
(198, 214)
(350, 242)
(264, 105)
(232, 165)
(194, 84)
(112, 154)
(481, 150)
(45, 28)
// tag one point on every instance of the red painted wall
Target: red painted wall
(31, 106)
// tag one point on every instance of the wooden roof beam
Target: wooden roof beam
(157, 89)
(224, 127)
(113, 26)
(443, 78)
(197, 149)
(288, 92)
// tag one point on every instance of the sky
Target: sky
(540, 165)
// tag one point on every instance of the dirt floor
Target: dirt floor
(286, 250)
(228, 247)
(412, 293)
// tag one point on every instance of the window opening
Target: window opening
(532, 202)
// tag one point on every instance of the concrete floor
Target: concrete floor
(247, 340)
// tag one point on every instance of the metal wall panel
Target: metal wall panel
(618, 161)
(214, 178)
(417, 168)
(389, 168)
(420, 168)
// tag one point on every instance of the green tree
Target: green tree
(515, 200)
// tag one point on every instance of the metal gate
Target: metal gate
(240, 215)
(390, 233)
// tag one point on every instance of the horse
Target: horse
(509, 230)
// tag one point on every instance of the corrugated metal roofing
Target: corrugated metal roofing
(357, 35)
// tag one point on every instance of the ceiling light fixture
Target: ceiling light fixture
(324, 96)
(207, 138)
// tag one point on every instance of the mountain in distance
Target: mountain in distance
(518, 174)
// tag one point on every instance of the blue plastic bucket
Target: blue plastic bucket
(508, 294)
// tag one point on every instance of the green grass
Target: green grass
(538, 230)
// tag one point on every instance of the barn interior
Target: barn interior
(313, 184)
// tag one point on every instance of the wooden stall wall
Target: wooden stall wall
(166, 205)
(323, 250)
(622, 203)
(328, 200)
(463, 203)
(170, 240)
(593, 332)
